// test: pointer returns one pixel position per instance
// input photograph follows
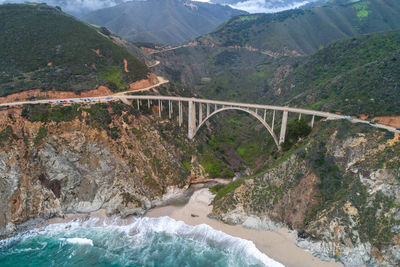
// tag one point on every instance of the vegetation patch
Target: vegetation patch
(296, 130)
(40, 136)
(6, 135)
(362, 9)
(47, 113)
(114, 78)
(228, 188)
(214, 166)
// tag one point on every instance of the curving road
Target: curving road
(121, 96)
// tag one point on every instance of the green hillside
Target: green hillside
(42, 47)
(356, 76)
(306, 31)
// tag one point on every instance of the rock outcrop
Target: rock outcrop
(120, 161)
(339, 188)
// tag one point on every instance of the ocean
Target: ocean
(138, 242)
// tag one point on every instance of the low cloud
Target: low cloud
(73, 6)
(262, 6)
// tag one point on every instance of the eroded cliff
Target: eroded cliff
(339, 188)
(80, 158)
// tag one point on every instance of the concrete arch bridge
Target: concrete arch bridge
(201, 110)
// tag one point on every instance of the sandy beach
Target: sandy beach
(278, 245)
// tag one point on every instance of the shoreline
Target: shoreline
(279, 245)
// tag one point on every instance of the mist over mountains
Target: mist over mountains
(75, 7)
(162, 21)
(265, 6)
(80, 7)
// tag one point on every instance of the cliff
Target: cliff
(81, 158)
(339, 188)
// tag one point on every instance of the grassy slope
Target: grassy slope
(305, 31)
(355, 76)
(45, 48)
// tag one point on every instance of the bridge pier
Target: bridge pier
(180, 117)
(208, 109)
(159, 108)
(126, 101)
(312, 121)
(283, 127)
(169, 109)
(191, 119)
(200, 113)
(273, 120)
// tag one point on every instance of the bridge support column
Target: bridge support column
(300, 116)
(169, 109)
(126, 101)
(208, 109)
(200, 113)
(180, 113)
(159, 108)
(312, 121)
(191, 119)
(283, 127)
(138, 104)
(273, 120)
(265, 114)
(148, 103)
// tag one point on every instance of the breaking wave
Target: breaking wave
(140, 242)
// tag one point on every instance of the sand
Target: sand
(278, 245)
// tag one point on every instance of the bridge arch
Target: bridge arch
(251, 112)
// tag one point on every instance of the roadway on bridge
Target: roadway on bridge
(119, 96)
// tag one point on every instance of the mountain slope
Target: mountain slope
(305, 31)
(357, 76)
(162, 21)
(47, 49)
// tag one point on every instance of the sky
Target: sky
(251, 6)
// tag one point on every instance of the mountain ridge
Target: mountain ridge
(165, 22)
(306, 31)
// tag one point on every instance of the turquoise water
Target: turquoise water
(141, 242)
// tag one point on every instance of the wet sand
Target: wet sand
(278, 245)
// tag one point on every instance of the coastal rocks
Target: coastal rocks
(326, 250)
(239, 216)
(263, 223)
(49, 169)
(340, 191)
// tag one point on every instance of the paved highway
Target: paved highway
(120, 96)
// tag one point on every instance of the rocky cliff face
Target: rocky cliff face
(339, 188)
(84, 158)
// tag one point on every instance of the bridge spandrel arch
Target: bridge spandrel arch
(259, 118)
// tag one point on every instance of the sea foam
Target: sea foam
(80, 241)
(143, 241)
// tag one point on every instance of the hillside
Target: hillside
(48, 49)
(357, 76)
(305, 31)
(162, 21)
